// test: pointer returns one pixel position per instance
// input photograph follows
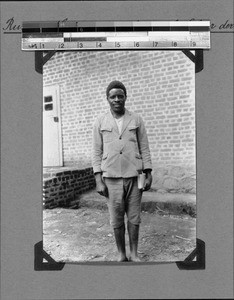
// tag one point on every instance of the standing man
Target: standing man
(120, 154)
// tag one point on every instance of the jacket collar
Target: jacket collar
(126, 121)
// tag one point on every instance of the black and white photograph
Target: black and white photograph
(119, 156)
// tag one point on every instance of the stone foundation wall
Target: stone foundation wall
(174, 179)
(61, 187)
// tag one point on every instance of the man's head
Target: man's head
(116, 96)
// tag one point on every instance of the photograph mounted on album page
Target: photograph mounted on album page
(117, 157)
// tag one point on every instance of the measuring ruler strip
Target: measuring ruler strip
(116, 42)
(115, 45)
(114, 34)
(96, 35)
(62, 26)
(118, 37)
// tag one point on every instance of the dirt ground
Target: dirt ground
(84, 235)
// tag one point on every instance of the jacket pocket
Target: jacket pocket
(107, 134)
(133, 127)
(138, 155)
(104, 156)
(132, 132)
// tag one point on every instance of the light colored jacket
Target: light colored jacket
(122, 154)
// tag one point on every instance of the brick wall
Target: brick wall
(61, 187)
(160, 86)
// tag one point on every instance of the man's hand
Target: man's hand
(148, 181)
(101, 188)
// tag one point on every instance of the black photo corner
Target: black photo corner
(44, 262)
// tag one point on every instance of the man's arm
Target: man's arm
(101, 188)
(145, 153)
(97, 147)
(97, 153)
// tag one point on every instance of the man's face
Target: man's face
(117, 100)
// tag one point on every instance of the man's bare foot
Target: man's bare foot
(122, 258)
(134, 258)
